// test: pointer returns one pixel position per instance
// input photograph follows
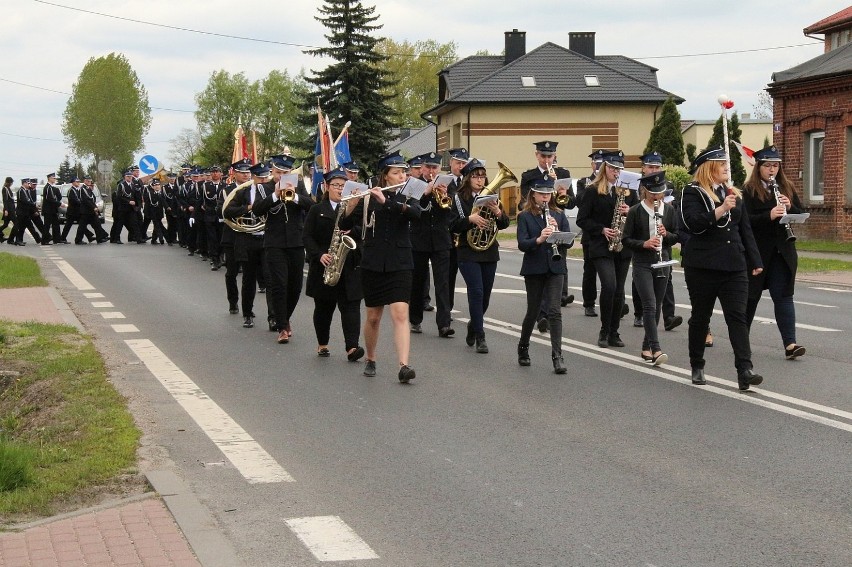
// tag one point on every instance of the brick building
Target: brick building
(813, 129)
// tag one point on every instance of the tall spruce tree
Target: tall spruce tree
(65, 171)
(738, 173)
(351, 89)
(666, 136)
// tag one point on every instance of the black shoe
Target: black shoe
(624, 310)
(524, 355)
(603, 339)
(446, 332)
(615, 340)
(20, 244)
(323, 352)
(233, 310)
(140, 242)
(261, 290)
(248, 322)
(428, 307)
(46, 243)
(116, 242)
(748, 378)
(660, 359)
(273, 324)
(81, 243)
(216, 266)
(567, 300)
(559, 365)
(370, 368)
(406, 374)
(646, 357)
(191, 253)
(698, 377)
(416, 328)
(100, 241)
(794, 351)
(672, 322)
(471, 335)
(637, 322)
(590, 311)
(543, 326)
(481, 345)
(356, 354)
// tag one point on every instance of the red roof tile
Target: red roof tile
(834, 21)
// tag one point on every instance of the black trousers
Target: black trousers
(83, 226)
(183, 231)
(350, 319)
(171, 229)
(669, 299)
(454, 270)
(125, 218)
(731, 288)
(650, 286)
(539, 286)
(420, 278)
(255, 265)
(52, 228)
(590, 284)
(284, 283)
(159, 230)
(232, 268)
(612, 271)
(69, 224)
(213, 236)
(23, 222)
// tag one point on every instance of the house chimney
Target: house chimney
(516, 45)
(582, 43)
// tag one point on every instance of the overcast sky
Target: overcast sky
(45, 45)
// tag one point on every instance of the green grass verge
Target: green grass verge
(824, 246)
(61, 416)
(19, 271)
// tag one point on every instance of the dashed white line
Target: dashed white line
(93, 295)
(834, 289)
(73, 276)
(125, 329)
(102, 304)
(253, 462)
(328, 538)
(112, 314)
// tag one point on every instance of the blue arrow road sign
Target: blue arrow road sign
(148, 165)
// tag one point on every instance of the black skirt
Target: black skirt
(384, 288)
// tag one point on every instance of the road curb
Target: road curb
(82, 512)
(64, 309)
(194, 520)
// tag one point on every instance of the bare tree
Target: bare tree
(764, 107)
(185, 146)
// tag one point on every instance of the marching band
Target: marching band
(376, 245)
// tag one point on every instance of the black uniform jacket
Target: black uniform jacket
(538, 258)
(637, 231)
(73, 210)
(319, 227)
(726, 245)
(431, 232)
(9, 202)
(228, 234)
(50, 199)
(460, 225)
(87, 203)
(387, 244)
(210, 200)
(154, 203)
(595, 214)
(170, 200)
(26, 204)
(124, 194)
(530, 176)
(283, 229)
(771, 238)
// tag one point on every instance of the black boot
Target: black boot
(471, 335)
(698, 377)
(481, 345)
(559, 365)
(523, 355)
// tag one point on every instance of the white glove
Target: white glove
(191, 221)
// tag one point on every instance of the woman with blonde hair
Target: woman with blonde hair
(717, 258)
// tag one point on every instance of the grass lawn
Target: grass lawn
(824, 246)
(19, 271)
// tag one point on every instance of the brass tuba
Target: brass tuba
(481, 239)
(250, 223)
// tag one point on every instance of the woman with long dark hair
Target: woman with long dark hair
(717, 258)
(777, 249)
(8, 210)
(386, 260)
(477, 267)
(595, 217)
(543, 270)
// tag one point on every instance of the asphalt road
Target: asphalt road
(480, 462)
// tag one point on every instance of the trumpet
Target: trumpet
(442, 199)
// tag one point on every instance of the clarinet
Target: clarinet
(556, 256)
(774, 186)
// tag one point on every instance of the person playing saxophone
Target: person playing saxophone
(321, 225)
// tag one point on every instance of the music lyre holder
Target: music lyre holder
(664, 264)
(561, 237)
(794, 218)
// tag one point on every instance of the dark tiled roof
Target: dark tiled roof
(419, 142)
(559, 75)
(842, 17)
(835, 62)
(464, 73)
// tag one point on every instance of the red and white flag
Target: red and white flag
(746, 152)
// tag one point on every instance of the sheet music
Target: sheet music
(291, 178)
(567, 183)
(794, 218)
(628, 179)
(444, 179)
(414, 188)
(483, 200)
(350, 186)
(561, 237)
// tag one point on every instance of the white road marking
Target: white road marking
(112, 314)
(125, 329)
(757, 397)
(328, 538)
(834, 289)
(94, 295)
(797, 302)
(253, 462)
(73, 276)
(102, 304)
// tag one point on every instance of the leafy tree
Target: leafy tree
(278, 124)
(353, 89)
(766, 142)
(679, 176)
(226, 101)
(738, 173)
(65, 171)
(666, 136)
(414, 68)
(108, 114)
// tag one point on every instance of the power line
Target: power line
(30, 137)
(69, 94)
(729, 52)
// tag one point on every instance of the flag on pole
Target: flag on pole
(240, 146)
(254, 146)
(341, 146)
(746, 152)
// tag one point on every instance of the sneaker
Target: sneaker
(406, 374)
(637, 322)
(794, 351)
(590, 311)
(416, 328)
(370, 368)
(481, 345)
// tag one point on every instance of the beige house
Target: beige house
(754, 133)
(498, 106)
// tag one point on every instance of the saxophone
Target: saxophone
(339, 248)
(618, 220)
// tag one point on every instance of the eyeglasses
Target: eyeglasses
(336, 185)
(479, 176)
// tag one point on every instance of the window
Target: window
(592, 81)
(815, 184)
(528, 81)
